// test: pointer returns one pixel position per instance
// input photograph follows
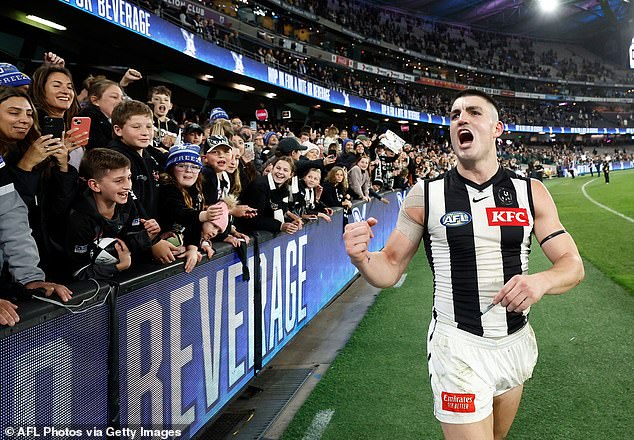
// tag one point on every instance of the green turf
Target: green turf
(603, 238)
(582, 386)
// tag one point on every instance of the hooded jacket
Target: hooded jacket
(145, 178)
(86, 226)
(17, 247)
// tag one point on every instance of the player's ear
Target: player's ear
(499, 129)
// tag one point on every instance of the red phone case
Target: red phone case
(83, 123)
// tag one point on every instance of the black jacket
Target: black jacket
(100, 127)
(271, 202)
(174, 212)
(86, 225)
(211, 190)
(346, 160)
(145, 178)
(332, 195)
(48, 194)
(303, 165)
(306, 204)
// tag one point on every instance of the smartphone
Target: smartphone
(83, 123)
(54, 126)
(249, 152)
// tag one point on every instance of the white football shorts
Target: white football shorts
(466, 371)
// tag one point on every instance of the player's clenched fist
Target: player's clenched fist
(357, 238)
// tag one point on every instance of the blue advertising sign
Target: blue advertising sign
(186, 347)
(301, 273)
(54, 377)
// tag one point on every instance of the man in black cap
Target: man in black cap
(193, 134)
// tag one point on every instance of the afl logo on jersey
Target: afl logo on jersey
(455, 218)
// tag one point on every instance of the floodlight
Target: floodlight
(548, 6)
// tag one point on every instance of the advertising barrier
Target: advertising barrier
(178, 346)
(54, 369)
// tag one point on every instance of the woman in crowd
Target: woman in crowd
(18, 250)
(335, 193)
(332, 136)
(359, 180)
(103, 97)
(42, 177)
(313, 153)
(245, 162)
(233, 236)
(270, 196)
(54, 97)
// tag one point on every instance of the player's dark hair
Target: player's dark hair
(485, 96)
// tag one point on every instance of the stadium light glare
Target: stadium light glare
(46, 22)
(548, 6)
(338, 110)
(243, 87)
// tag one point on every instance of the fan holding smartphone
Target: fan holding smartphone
(54, 97)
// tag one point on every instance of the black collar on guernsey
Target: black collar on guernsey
(497, 177)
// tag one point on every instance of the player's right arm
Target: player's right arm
(384, 268)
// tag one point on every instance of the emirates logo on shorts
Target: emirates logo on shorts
(455, 402)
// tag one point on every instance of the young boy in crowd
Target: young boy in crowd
(132, 131)
(105, 210)
(160, 99)
(194, 134)
(216, 154)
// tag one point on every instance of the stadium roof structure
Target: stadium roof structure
(572, 20)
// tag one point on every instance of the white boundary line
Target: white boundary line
(319, 425)
(583, 190)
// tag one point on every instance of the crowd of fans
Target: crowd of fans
(486, 50)
(106, 181)
(415, 96)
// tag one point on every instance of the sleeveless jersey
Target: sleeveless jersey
(477, 237)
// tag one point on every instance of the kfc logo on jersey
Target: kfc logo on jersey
(507, 217)
(456, 402)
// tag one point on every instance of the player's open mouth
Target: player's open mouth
(465, 136)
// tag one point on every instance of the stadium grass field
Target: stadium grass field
(582, 386)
